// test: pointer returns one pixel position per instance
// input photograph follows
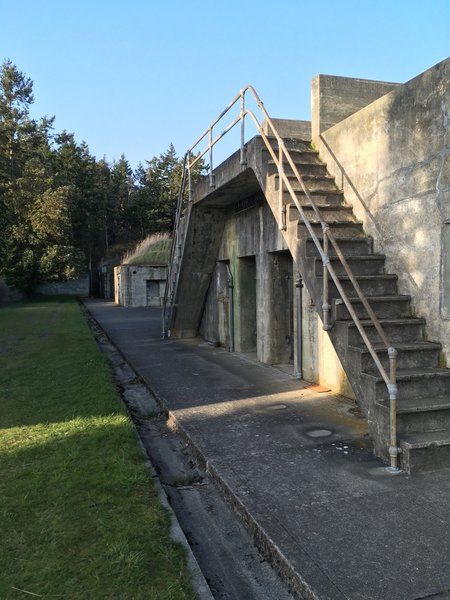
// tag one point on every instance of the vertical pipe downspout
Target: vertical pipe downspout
(394, 449)
(231, 307)
(298, 355)
(164, 321)
(291, 319)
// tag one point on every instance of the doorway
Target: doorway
(245, 302)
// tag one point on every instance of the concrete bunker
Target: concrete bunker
(139, 285)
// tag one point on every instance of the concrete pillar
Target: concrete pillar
(245, 304)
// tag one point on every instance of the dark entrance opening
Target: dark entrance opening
(245, 303)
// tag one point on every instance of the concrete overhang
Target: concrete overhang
(233, 181)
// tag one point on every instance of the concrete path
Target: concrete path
(298, 467)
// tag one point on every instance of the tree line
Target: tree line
(61, 209)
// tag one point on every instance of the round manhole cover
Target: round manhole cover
(277, 406)
(317, 433)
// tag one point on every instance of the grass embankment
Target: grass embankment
(79, 516)
(153, 251)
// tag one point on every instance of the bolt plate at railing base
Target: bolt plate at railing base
(393, 470)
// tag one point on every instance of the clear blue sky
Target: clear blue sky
(132, 76)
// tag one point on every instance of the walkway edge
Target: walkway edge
(262, 540)
(199, 582)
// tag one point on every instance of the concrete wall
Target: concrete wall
(251, 232)
(289, 128)
(320, 361)
(336, 98)
(264, 298)
(73, 287)
(215, 326)
(139, 285)
(392, 159)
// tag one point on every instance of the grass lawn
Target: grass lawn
(79, 516)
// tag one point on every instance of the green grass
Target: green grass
(79, 516)
(154, 250)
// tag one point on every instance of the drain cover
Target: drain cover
(316, 433)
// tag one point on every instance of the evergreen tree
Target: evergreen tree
(123, 189)
(35, 237)
(60, 209)
(163, 178)
(16, 96)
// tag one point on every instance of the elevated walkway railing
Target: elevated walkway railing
(280, 156)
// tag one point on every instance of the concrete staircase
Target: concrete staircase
(423, 386)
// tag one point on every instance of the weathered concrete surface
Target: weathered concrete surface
(289, 128)
(321, 363)
(198, 261)
(219, 549)
(250, 230)
(322, 508)
(392, 159)
(334, 98)
(72, 287)
(139, 285)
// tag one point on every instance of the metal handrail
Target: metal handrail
(169, 287)
(328, 237)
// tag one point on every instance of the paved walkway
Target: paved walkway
(297, 465)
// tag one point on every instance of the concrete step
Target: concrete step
(292, 144)
(420, 414)
(340, 229)
(322, 197)
(312, 182)
(330, 213)
(371, 285)
(349, 246)
(298, 152)
(305, 166)
(413, 383)
(396, 330)
(367, 264)
(385, 307)
(425, 451)
(412, 355)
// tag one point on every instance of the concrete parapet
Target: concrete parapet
(333, 98)
(289, 128)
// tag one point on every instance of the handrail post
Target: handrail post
(298, 356)
(242, 117)
(281, 205)
(325, 296)
(211, 166)
(394, 450)
(189, 178)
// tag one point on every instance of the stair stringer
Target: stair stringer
(364, 388)
(197, 262)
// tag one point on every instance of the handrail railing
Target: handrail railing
(183, 211)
